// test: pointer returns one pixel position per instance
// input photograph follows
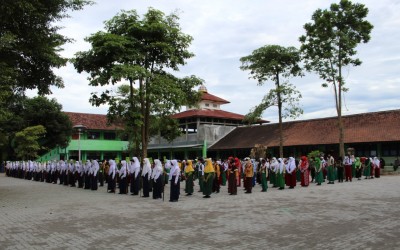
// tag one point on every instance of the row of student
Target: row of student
(211, 175)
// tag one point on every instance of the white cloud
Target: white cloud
(226, 30)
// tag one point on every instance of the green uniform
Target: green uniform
(208, 183)
(319, 177)
(189, 183)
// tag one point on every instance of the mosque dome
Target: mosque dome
(203, 88)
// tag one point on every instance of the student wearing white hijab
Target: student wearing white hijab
(156, 176)
(290, 175)
(174, 175)
(122, 178)
(146, 175)
(135, 176)
(280, 171)
(111, 177)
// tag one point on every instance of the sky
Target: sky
(223, 31)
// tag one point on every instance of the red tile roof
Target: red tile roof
(367, 127)
(213, 113)
(209, 97)
(91, 121)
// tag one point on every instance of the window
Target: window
(109, 136)
(91, 135)
(207, 104)
(215, 105)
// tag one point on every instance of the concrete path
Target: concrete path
(358, 215)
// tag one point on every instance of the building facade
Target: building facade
(201, 127)
(93, 138)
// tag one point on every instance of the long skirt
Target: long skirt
(248, 185)
(298, 175)
(290, 179)
(377, 172)
(208, 182)
(367, 171)
(111, 184)
(347, 172)
(135, 182)
(189, 183)
(201, 183)
(340, 174)
(216, 184)
(358, 172)
(146, 185)
(272, 178)
(174, 189)
(223, 175)
(232, 187)
(122, 185)
(319, 178)
(94, 182)
(305, 178)
(158, 188)
(280, 180)
(331, 174)
(264, 182)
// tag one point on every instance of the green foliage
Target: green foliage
(48, 113)
(315, 153)
(331, 39)
(271, 61)
(290, 98)
(330, 44)
(26, 112)
(26, 142)
(144, 52)
(30, 43)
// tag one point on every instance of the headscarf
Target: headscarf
(377, 162)
(304, 161)
(189, 166)
(291, 165)
(209, 167)
(280, 165)
(146, 167)
(157, 170)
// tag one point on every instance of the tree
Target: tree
(48, 113)
(30, 43)
(329, 45)
(26, 142)
(271, 62)
(27, 112)
(143, 52)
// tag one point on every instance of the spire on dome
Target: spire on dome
(203, 88)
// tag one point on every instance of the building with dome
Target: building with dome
(201, 126)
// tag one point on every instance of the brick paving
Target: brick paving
(358, 215)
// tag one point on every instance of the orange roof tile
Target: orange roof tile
(213, 113)
(366, 127)
(91, 121)
(209, 97)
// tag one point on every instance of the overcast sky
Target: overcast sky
(226, 30)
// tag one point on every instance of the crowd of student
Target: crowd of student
(130, 176)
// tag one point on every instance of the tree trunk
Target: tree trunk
(142, 126)
(280, 117)
(340, 120)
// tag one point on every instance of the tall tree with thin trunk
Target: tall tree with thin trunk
(141, 52)
(273, 62)
(329, 45)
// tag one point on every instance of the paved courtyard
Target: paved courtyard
(358, 215)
